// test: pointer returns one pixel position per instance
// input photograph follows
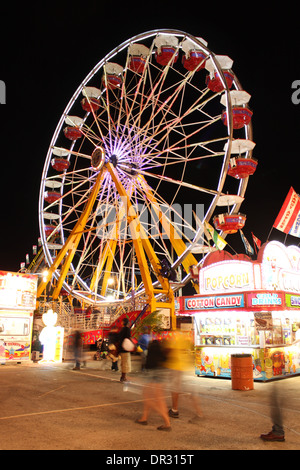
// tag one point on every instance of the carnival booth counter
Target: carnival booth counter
(248, 307)
(17, 304)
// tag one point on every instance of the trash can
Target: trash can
(242, 372)
(35, 356)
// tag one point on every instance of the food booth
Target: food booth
(248, 307)
(17, 304)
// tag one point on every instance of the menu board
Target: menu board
(17, 290)
(263, 321)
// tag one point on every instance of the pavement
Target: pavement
(53, 407)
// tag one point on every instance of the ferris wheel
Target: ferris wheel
(138, 162)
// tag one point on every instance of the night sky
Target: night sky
(48, 49)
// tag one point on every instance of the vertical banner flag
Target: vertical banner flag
(288, 219)
(248, 247)
(218, 241)
(257, 242)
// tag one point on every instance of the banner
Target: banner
(256, 240)
(218, 241)
(295, 230)
(288, 219)
(248, 247)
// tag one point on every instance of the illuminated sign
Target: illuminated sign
(17, 290)
(281, 267)
(278, 268)
(214, 302)
(292, 300)
(265, 299)
(227, 276)
(289, 281)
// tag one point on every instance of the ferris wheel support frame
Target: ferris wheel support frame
(142, 248)
(69, 248)
(141, 244)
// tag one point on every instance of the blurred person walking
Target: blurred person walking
(113, 352)
(77, 343)
(154, 398)
(277, 432)
(143, 343)
(123, 338)
(179, 362)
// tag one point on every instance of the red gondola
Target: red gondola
(214, 83)
(112, 78)
(196, 60)
(229, 223)
(51, 196)
(72, 133)
(166, 55)
(112, 81)
(91, 104)
(138, 57)
(49, 229)
(241, 167)
(241, 116)
(60, 164)
(137, 64)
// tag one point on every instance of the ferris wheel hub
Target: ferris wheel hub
(98, 158)
(113, 160)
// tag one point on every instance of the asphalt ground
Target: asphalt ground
(52, 407)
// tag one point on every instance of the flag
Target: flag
(218, 241)
(295, 230)
(288, 219)
(248, 247)
(257, 242)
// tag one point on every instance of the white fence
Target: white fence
(70, 319)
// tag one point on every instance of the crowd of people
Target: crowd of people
(164, 364)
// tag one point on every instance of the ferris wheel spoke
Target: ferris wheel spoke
(172, 126)
(165, 108)
(180, 183)
(176, 146)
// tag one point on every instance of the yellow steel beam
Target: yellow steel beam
(109, 262)
(107, 253)
(134, 226)
(70, 246)
(142, 245)
(102, 260)
(174, 237)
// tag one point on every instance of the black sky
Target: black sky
(47, 50)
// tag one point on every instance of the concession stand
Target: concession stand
(17, 304)
(248, 307)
